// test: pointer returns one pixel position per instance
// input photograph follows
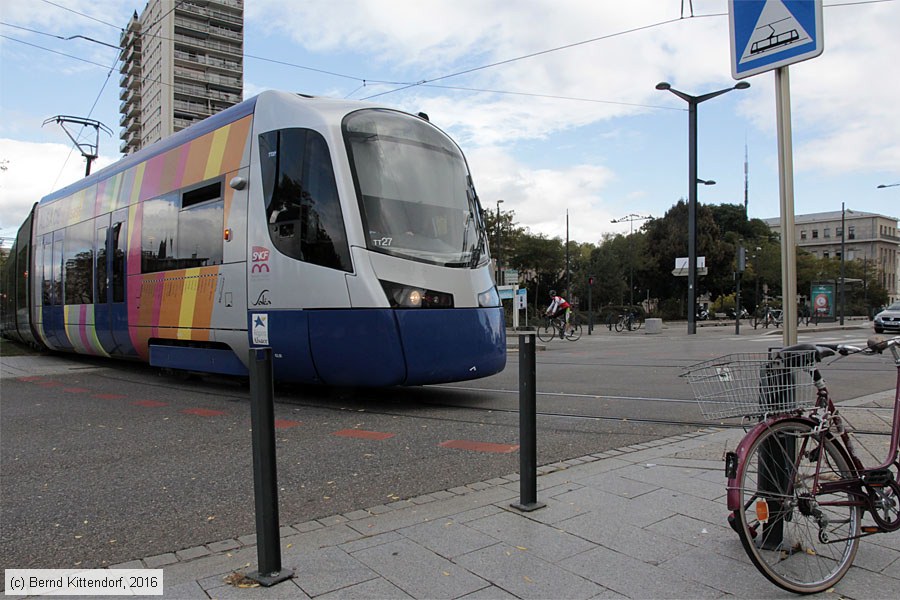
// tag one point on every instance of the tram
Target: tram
(345, 236)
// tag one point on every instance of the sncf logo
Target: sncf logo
(260, 254)
(260, 257)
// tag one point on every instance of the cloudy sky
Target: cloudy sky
(553, 101)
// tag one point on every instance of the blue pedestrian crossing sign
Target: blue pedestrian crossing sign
(768, 34)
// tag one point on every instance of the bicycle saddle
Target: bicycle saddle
(798, 350)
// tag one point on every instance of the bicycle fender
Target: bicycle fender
(733, 485)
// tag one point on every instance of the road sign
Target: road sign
(682, 263)
(768, 34)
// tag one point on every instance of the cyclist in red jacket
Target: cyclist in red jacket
(559, 308)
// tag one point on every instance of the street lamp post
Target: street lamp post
(843, 252)
(693, 101)
(499, 202)
(631, 219)
(887, 185)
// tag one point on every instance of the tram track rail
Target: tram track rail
(291, 396)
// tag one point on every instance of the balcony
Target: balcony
(210, 13)
(190, 25)
(182, 123)
(232, 3)
(229, 34)
(192, 108)
(131, 136)
(208, 44)
(200, 59)
(187, 89)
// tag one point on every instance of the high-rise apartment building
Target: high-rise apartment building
(182, 61)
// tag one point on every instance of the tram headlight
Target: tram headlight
(407, 296)
(489, 298)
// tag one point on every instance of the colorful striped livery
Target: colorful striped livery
(345, 236)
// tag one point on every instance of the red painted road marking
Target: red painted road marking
(150, 403)
(363, 434)
(203, 412)
(285, 424)
(479, 446)
(110, 396)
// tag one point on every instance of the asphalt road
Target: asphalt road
(104, 462)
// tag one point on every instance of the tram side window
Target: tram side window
(101, 265)
(22, 277)
(46, 271)
(78, 260)
(9, 270)
(159, 225)
(302, 204)
(200, 225)
(118, 265)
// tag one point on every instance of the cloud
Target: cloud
(32, 170)
(543, 196)
(541, 154)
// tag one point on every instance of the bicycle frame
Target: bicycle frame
(858, 486)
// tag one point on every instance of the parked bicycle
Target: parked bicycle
(629, 321)
(797, 488)
(555, 328)
(765, 316)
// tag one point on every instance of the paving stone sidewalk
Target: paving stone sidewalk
(645, 521)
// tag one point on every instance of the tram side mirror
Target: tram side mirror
(238, 183)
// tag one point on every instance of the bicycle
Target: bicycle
(555, 328)
(797, 489)
(767, 316)
(629, 321)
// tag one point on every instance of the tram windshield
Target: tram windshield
(416, 196)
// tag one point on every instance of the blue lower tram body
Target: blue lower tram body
(365, 347)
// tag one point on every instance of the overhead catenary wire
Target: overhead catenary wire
(422, 82)
(365, 81)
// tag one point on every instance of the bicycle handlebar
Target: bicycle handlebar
(874, 345)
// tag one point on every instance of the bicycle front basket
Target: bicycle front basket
(753, 384)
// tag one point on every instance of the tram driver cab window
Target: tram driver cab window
(303, 210)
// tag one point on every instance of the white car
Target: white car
(888, 319)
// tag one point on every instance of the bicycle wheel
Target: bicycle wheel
(620, 325)
(575, 333)
(801, 542)
(547, 331)
(636, 324)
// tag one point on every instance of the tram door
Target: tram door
(110, 311)
(52, 309)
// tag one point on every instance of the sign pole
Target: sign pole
(786, 193)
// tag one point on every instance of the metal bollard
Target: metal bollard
(527, 425)
(265, 477)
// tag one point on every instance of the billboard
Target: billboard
(822, 298)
